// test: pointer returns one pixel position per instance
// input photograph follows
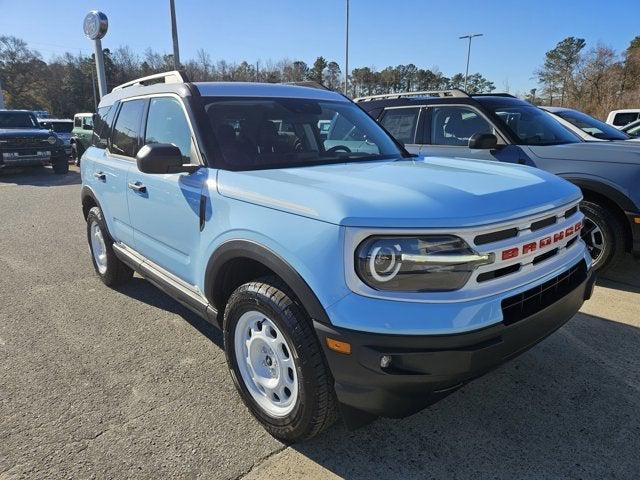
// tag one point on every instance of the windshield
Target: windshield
(281, 132)
(592, 126)
(532, 126)
(58, 127)
(18, 120)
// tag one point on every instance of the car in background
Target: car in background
(633, 130)
(501, 127)
(24, 143)
(620, 118)
(81, 135)
(585, 126)
(62, 128)
(41, 114)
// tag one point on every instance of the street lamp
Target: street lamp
(346, 55)
(470, 36)
(174, 35)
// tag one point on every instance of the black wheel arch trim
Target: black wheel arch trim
(237, 249)
(606, 190)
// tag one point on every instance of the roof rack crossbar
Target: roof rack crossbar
(453, 92)
(175, 76)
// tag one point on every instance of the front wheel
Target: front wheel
(276, 361)
(604, 235)
(61, 167)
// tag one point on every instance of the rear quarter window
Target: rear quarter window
(102, 126)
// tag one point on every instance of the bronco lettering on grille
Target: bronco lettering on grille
(543, 242)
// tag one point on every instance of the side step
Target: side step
(172, 286)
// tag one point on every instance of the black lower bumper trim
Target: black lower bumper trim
(424, 369)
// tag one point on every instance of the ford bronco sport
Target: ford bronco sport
(348, 276)
(24, 143)
(500, 127)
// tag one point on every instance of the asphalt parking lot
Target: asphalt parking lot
(98, 383)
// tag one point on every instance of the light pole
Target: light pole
(174, 34)
(346, 55)
(470, 36)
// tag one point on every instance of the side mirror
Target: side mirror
(483, 141)
(161, 158)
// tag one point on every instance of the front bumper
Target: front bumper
(424, 368)
(30, 157)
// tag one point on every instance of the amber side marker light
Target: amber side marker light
(338, 346)
(636, 220)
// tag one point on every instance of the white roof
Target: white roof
(275, 90)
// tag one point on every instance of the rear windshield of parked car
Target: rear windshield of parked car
(18, 120)
(592, 126)
(533, 126)
(255, 133)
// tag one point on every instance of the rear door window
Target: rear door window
(455, 125)
(126, 131)
(102, 127)
(401, 123)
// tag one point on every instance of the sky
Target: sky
(383, 32)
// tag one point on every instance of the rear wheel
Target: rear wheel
(604, 235)
(276, 361)
(108, 267)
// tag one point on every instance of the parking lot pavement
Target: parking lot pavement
(113, 384)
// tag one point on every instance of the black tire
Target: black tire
(116, 272)
(604, 235)
(316, 406)
(61, 167)
(76, 153)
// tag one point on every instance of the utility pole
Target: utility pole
(470, 36)
(174, 34)
(346, 55)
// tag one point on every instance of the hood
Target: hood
(433, 192)
(24, 132)
(611, 152)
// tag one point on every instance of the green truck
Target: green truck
(81, 135)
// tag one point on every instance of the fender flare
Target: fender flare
(235, 249)
(87, 192)
(604, 189)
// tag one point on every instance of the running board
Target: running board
(168, 283)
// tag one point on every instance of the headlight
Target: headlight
(417, 264)
(52, 140)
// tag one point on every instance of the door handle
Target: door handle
(138, 187)
(100, 176)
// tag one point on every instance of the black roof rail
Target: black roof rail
(451, 92)
(307, 83)
(503, 94)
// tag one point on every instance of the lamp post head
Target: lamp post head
(95, 25)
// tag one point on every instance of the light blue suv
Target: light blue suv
(348, 276)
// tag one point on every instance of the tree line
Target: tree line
(66, 85)
(594, 80)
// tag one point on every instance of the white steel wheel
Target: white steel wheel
(265, 361)
(98, 247)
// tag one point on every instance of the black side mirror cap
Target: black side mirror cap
(483, 141)
(162, 158)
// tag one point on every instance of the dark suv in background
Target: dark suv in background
(24, 143)
(501, 127)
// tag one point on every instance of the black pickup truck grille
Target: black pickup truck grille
(22, 142)
(538, 298)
